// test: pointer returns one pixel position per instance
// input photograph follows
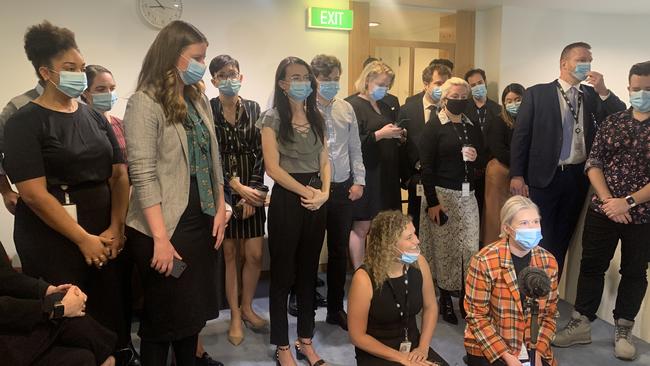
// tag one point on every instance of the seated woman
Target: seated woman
(496, 331)
(393, 277)
(32, 330)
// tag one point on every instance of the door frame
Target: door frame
(411, 45)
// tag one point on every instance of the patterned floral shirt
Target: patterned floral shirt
(622, 150)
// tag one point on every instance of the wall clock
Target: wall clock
(159, 13)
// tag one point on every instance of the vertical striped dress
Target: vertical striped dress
(241, 155)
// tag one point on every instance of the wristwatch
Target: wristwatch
(59, 310)
(630, 201)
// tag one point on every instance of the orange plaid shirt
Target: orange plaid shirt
(496, 322)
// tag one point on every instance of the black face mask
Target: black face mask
(456, 106)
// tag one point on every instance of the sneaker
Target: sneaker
(577, 331)
(623, 346)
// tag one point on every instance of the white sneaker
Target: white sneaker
(623, 345)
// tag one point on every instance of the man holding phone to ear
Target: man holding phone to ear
(413, 116)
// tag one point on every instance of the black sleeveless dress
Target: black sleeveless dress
(385, 323)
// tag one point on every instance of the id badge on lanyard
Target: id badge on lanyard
(465, 189)
(68, 206)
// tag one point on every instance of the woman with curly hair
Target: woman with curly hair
(388, 290)
(177, 214)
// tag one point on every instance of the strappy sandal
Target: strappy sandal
(301, 356)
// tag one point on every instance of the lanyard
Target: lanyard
(462, 142)
(482, 116)
(575, 112)
(403, 310)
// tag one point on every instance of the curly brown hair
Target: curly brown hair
(385, 231)
(159, 77)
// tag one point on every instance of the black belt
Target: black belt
(564, 167)
(339, 184)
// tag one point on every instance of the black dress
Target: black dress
(77, 151)
(381, 159)
(241, 155)
(384, 321)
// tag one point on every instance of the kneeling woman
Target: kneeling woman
(389, 289)
(496, 323)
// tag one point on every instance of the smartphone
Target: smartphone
(315, 182)
(402, 123)
(443, 218)
(179, 267)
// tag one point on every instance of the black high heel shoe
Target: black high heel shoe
(301, 356)
(277, 353)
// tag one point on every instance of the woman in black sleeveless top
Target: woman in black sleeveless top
(394, 277)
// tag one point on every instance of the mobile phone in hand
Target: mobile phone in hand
(402, 123)
(443, 217)
(178, 268)
(315, 182)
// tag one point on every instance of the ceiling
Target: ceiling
(587, 6)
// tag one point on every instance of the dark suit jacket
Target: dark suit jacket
(537, 138)
(414, 112)
(413, 97)
(21, 298)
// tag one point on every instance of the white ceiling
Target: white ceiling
(588, 6)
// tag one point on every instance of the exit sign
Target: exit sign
(324, 18)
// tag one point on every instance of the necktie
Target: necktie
(568, 123)
(432, 109)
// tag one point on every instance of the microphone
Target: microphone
(533, 282)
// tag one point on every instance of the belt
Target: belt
(339, 184)
(564, 167)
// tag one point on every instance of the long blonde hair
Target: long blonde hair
(159, 76)
(381, 248)
(372, 70)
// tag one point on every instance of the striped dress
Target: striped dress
(241, 155)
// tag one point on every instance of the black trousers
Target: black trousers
(482, 361)
(75, 341)
(560, 204)
(599, 241)
(479, 193)
(414, 202)
(339, 223)
(155, 353)
(295, 241)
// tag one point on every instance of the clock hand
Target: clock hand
(159, 4)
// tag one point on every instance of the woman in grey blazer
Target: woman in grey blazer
(176, 215)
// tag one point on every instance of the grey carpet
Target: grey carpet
(333, 344)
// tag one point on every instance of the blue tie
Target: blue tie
(567, 125)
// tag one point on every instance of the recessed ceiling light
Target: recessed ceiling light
(373, 24)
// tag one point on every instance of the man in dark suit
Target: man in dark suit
(555, 128)
(483, 112)
(414, 115)
(41, 324)
(437, 61)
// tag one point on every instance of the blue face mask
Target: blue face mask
(513, 108)
(479, 91)
(71, 83)
(328, 89)
(229, 87)
(104, 102)
(194, 72)
(581, 70)
(300, 90)
(528, 238)
(640, 100)
(378, 93)
(436, 93)
(410, 258)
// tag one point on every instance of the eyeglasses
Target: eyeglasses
(232, 75)
(300, 78)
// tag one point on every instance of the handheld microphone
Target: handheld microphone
(533, 282)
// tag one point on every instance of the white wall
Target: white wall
(524, 45)
(259, 33)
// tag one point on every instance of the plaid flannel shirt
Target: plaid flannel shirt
(496, 322)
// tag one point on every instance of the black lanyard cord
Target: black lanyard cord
(403, 310)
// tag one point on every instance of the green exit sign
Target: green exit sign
(324, 18)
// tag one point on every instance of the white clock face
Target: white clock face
(159, 13)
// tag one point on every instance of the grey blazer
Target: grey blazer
(159, 165)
